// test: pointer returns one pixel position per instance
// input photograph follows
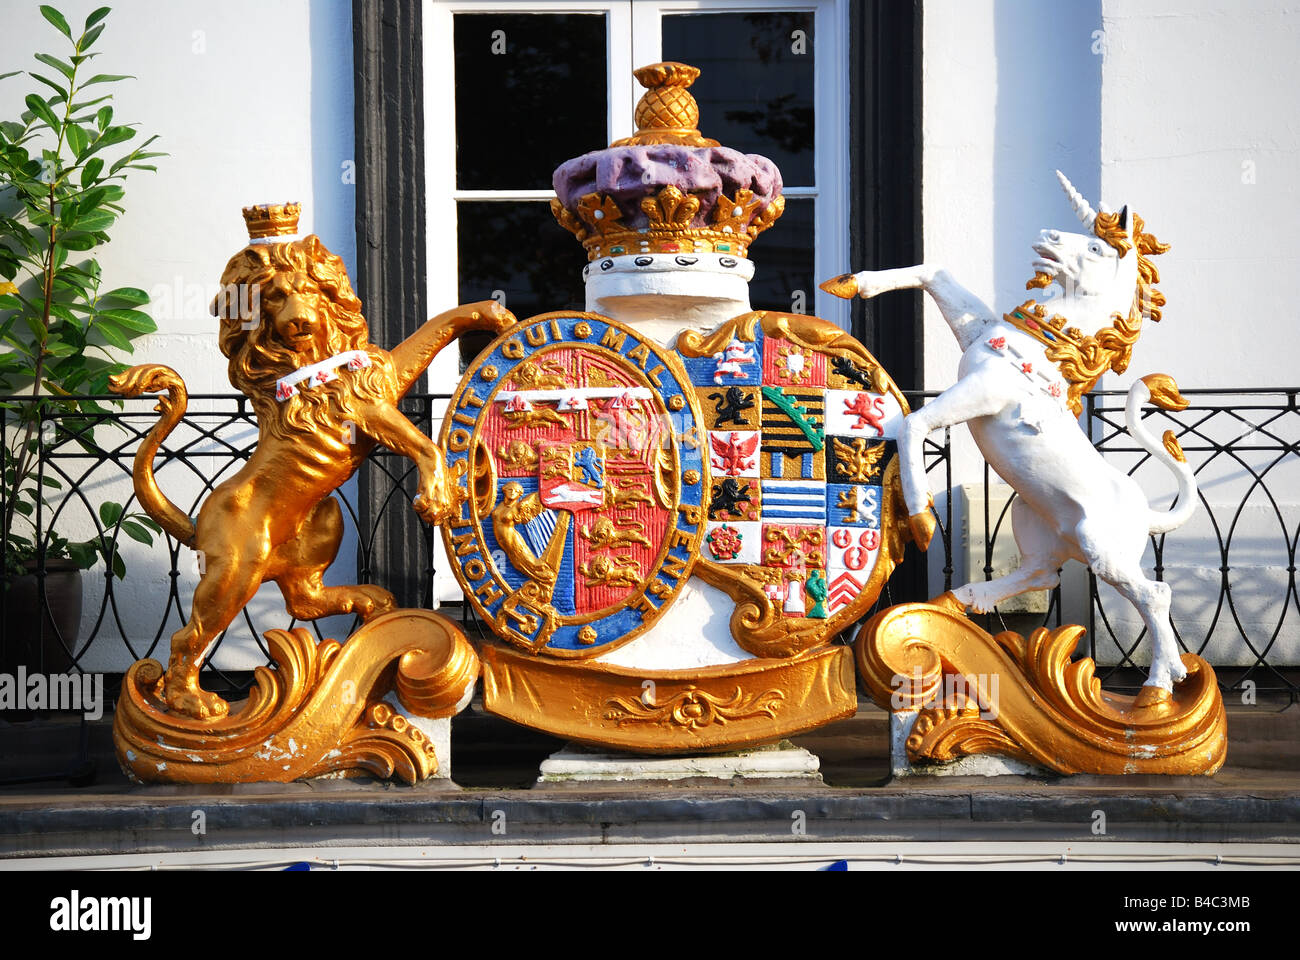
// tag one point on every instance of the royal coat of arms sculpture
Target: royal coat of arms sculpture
(602, 475)
(665, 508)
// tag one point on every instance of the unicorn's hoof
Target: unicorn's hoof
(922, 525)
(844, 286)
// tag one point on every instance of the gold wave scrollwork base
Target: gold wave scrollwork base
(320, 711)
(1026, 698)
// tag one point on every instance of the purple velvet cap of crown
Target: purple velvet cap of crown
(705, 172)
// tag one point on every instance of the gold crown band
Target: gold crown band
(272, 220)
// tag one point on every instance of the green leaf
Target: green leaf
(109, 137)
(90, 103)
(110, 513)
(119, 566)
(77, 139)
(114, 336)
(134, 320)
(137, 532)
(62, 312)
(60, 349)
(11, 73)
(56, 18)
(132, 295)
(149, 522)
(56, 63)
(83, 555)
(41, 109)
(50, 83)
(97, 220)
(89, 38)
(102, 118)
(37, 328)
(76, 241)
(91, 170)
(97, 16)
(107, 78)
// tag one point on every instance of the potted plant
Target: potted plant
(63, 164)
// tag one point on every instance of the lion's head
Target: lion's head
(283, 306)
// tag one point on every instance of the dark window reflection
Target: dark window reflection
(516, 247)
(530, 94)
(783, 261)
(755, 90)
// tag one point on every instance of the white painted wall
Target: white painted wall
(1201, 134)
(1200, 101)
(253, 100)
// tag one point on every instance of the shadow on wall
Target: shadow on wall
(333, 213)
(1048, 116)
(333, 161)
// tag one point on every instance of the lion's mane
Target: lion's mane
(258, 359)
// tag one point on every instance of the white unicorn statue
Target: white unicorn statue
(1019, 389)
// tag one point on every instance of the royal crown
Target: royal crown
(667, 188)
(272, 220)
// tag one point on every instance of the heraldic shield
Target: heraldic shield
(580, 474)
(597, 472)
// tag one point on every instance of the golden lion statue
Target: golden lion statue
(324, 397)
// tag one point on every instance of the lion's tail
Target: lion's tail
(1160, 389)
(156, 378)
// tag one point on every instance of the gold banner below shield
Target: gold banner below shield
(705, 710)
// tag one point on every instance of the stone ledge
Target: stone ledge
(157, 819)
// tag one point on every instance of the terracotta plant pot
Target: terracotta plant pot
(34, 625)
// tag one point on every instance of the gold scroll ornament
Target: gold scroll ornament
(320, 712)
(1048, 710)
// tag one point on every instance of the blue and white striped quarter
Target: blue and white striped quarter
(794, 501)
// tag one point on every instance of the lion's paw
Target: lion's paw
(372, 601)
(195, 702)
(502, 317)
(427, 510)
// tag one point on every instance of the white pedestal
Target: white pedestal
(981, 765)
(783, 761)
(438, 732)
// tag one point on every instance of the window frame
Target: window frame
(634, 38)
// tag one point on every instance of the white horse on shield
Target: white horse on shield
(1019, 389)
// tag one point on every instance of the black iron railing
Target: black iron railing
(1232, 567)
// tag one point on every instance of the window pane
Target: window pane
(517, 247)
(783, 261)
(756, 86)
(528, 88)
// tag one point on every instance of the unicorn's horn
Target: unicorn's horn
(1084, 212)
